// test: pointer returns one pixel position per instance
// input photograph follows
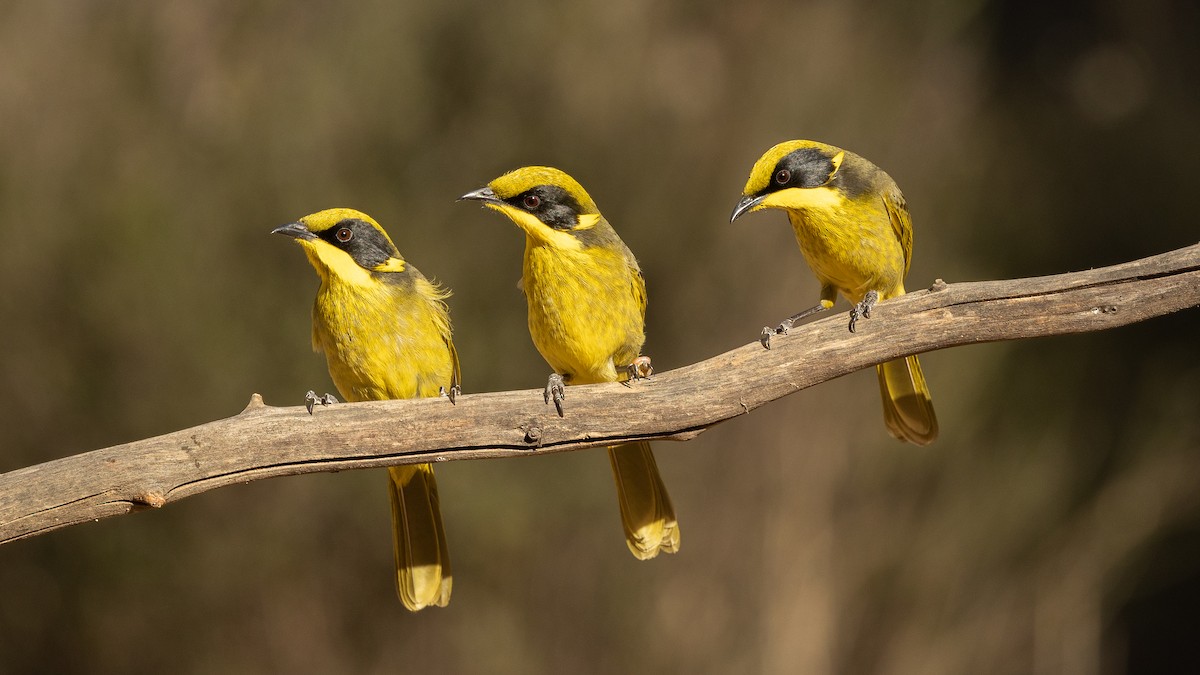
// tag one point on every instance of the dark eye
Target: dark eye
(782, 176)
(532, 202)
(344, 235)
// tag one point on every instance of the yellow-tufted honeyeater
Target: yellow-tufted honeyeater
(587, 309)
(385, 332)
(854, 230)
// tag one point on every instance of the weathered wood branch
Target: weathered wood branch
(264, 441)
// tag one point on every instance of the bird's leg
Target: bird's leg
(787, 324)
(555, 391)
(311, 400)
(455, 390)
(640, 368)
(863, 308)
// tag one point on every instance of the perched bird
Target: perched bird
(854, 230)
(385, 332)
(587, 309)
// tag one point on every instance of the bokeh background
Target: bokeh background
(147, 149)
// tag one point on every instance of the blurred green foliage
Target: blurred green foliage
(147, 149)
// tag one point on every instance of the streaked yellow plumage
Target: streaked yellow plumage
(587, 307)
(854, 229)
(385, 332)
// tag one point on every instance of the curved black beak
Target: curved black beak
(745, 205)
(484, 194)
(296, 230)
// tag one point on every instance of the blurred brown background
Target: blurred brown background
(147, 149)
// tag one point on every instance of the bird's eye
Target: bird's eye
(344, 235)
(782, 176)
(532, 202)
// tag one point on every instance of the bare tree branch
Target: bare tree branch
(264, 441)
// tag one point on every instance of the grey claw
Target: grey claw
(311, 400)
(781, 329)
(640, 368)
(555, 392)
(863, 309)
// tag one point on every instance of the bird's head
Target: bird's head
(550, 206)
(793, 175)
(346, 243)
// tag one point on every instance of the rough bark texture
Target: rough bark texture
(264, 441)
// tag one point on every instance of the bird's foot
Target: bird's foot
(455, 390)
(311, 400)
(640, 368)
(789, 323)
(781, 329)
(863, 309)
(555, 391)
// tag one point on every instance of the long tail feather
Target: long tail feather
(907, 407)
(646, 511)
(422, 559)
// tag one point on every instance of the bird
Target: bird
(587, 310)
(385, 332)
(855, 232)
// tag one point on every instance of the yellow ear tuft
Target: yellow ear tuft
(390, 265)
(837, 163)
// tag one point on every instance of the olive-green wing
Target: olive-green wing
(316, 330)
(456, 378)
(897, 210)
(639, 291)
